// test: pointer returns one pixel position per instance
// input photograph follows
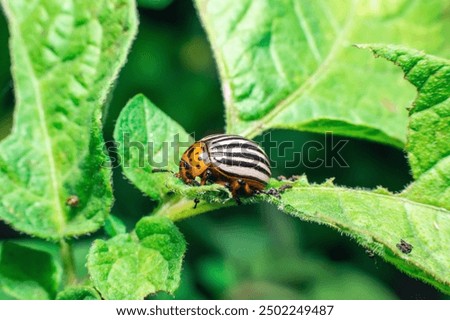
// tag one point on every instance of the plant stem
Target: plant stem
(68, 262)
(182, 208)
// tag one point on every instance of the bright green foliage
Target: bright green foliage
(61, 79)
(428, 144)
(114, 226)
(378, 220)
(144, 135)
(132, 266)
(283, 64)
(79, 293)
(27, 273)
(290, 64)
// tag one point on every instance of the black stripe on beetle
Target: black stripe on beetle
(243, 154)
(244, 146)
(221, 137)
(233, 161)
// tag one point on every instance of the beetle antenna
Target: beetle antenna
(158, 170)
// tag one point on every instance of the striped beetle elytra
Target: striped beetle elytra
(229, 160)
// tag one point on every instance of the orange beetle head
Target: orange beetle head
(192, 163)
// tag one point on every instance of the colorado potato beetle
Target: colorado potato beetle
(230, 160)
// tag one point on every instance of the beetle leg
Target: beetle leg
(247, 190)
(234, 188)
(196, 201)
(158, 170)
(245, 187)
(206, 177)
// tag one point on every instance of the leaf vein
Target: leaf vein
(55, 185)
(307, 32)
(258, 126)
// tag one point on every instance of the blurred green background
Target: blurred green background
(249, 251)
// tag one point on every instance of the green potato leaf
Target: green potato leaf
(378, 220)
(132, 266)
(428, 144)
(27, 273)
(420, 214)
(256, 50)
(65, 54)
(148, 139)
(291, 64)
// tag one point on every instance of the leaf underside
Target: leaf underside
(55, 151)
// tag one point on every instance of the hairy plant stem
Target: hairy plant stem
(68, 262)
(180, 208)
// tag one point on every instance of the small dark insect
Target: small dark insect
(404, 246)
(230, 160)
(73, 201)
